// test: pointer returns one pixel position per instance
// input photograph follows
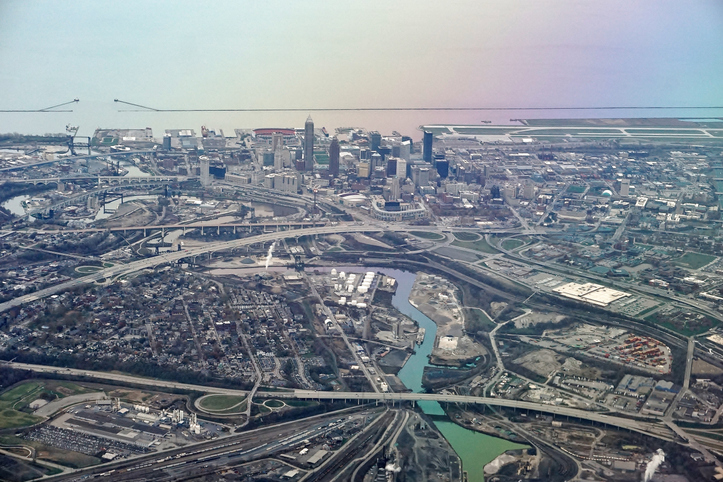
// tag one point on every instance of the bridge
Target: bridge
(75, 158)
(651, 426)
(100, 179)
(163, 228)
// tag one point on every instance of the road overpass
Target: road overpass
(99, 179)
(175, 256)
(75, 158)
(650, 426)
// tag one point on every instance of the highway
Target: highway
(650, 426)
(75, 158)
(175, 256)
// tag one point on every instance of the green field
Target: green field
(15, 400)
(480, 245)
(220, 403)
(576, 189)
(510, 244)
(273, 403)
(465, 236)
(427, 235)
(694, 260)
(88, 269)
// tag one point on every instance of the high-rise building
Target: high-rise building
(377, 160)
(395, 192)
(427, 147)
(205, 174)
(375, 140)
(442, 166)
(334, 157)
(423, 176)
(309, 145)
(625, 187)
(392, 167)
(402, 169)
(363, 169)
(529, 190)
(277, 141)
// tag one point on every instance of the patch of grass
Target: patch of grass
(476, 320)
(13, 401)
(510, 244)
(427, 235)
(300, 403)
(88, 269)
(694, 260)
(274, 403)
(465, 236)
(479, 245)
(218, 403)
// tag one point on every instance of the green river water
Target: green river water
(474, 448)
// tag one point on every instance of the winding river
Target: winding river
(475, 449)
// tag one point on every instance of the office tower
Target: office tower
(529, 190)
(376, 160)
(277, 141)
(395, 191)
(309, 145)
(423, 176)
(391, 167)
(405, 150)
(442, 166)
(363, 169)
(427, 147)
(167, 142)
(375, 140)
(401, 169)
(365, 154)
(205, 176)
(625, 187)
(334, 157)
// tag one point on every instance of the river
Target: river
(15, 205)
(475, 449)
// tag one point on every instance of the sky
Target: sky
(284, 54)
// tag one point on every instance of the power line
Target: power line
(47, 109)
(143, 108)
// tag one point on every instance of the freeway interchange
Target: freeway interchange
(662, 428)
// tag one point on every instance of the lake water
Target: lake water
(319, 54)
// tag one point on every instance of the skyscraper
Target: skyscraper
(205, 174)
(625, 187)
(395, 191)
(427, 147)
(375, 140)
(334, 157)
(309, 145)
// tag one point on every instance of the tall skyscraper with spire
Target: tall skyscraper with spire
(309, 145)
(334, 157)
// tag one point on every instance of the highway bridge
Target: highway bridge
(75, 158)
(290, 225)
(650, 426)
(99, 179)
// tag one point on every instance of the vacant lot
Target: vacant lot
(694, 260)
(479, 245)
(465, 236)
(427, 235)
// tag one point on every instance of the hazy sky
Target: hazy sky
(235, 54)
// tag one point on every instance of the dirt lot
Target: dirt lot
(535, 317)
(704, 368)
(542, 362)
(437, 298)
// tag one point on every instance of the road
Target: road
(175, 256)
(651, 427)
